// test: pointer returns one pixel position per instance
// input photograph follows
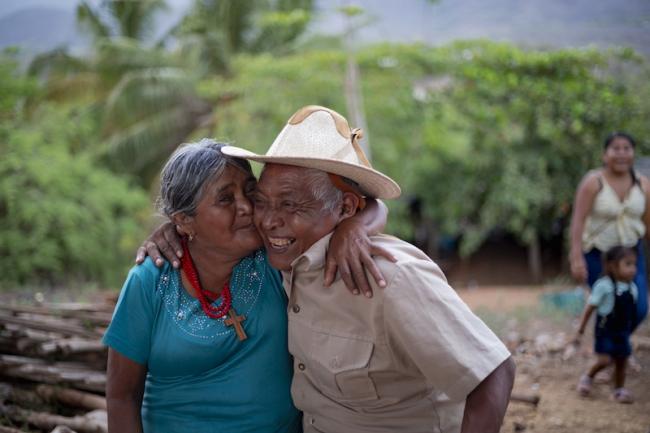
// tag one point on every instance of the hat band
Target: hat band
(343, 186)
(356, 135)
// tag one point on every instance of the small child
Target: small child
(614, 297)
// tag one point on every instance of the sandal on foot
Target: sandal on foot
(622, 395)
(584, 385)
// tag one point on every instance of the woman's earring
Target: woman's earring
(190, 237)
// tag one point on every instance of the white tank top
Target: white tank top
(612, 221)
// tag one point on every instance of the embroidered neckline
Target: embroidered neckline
(186, 312)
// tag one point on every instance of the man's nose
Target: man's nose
(271, 218)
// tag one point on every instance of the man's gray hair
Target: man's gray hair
(322, 188)
(190, 168)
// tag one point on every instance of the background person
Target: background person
(610, 209)
(614, 298)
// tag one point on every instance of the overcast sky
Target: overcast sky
(534, 23)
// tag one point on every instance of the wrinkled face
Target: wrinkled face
(224, 216)
(626, 268)
(288, 217)
(619, 155)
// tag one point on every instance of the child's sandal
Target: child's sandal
(584, 385)
(622, 395)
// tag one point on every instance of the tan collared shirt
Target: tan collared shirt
(403, 361)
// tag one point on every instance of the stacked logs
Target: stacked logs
(52, 368)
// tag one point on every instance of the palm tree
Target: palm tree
(215, 30)
(119, 18)
(148, 97)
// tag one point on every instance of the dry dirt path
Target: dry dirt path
(515, 314)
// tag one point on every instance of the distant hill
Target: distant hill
(39, 29)
(532, 23)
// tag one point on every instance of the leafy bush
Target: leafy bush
(61, 216)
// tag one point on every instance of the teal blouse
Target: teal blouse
(201, 378)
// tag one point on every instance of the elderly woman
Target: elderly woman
(204, 348)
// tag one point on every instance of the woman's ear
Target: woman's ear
(184, 223)
(350, 205)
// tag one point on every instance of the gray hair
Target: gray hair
(190, 168)
(322, 188)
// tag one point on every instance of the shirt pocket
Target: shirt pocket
(341, 367)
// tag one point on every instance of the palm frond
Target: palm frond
(57, 62)
(135, 18)
(88, 19)
(141, 148)
(142, 93)
(81, 87)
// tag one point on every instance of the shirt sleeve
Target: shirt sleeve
(129, 332)
(599, 291)
(430, 328)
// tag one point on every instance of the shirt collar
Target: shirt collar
(314, 257)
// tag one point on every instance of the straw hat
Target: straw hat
(320, 138)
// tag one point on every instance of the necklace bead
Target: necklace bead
(205, 297)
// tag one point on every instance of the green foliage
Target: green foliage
(14, 88)
(61, 216)
(527, 125)
(488, 135)
(126, 18)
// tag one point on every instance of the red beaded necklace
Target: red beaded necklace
(205, 297)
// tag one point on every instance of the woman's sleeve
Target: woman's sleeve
(129, 332)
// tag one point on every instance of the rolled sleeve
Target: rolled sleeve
(429, 326)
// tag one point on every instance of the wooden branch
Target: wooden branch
(102, 318)
(20, 396)
(61, 429)
(71, 397)
(89, 423)
(80, 306)
(62, 328)
(74, 374)
(523, 398)
(4, 429)
(70, 346)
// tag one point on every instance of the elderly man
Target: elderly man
(411, 359)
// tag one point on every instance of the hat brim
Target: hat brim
(374, 183)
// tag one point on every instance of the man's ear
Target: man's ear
(184, 223)
(349, 205)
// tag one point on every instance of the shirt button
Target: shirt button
(301, 367)
(296, 308)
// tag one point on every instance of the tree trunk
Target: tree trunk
(535, 260)
(354, 102)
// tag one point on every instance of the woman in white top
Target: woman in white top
(610, 209)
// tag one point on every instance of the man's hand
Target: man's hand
(166, 240)
(351, 253)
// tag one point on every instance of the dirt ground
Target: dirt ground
(536, 333)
